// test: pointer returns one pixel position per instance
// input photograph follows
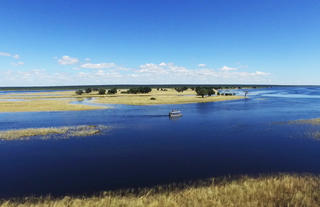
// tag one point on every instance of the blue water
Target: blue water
(146, 148)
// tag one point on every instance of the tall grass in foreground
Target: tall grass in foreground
(280, 190)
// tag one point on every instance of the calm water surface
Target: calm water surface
(146, 148)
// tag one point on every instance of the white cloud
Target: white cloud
(202, 65)
(162, 68)
(171, 74)
(18, 63)
(6, 54)
(98, 65)
(262, 73)
(87, 59)
(16, 56)
(152, 68)
(66, 60)
(226, 68)
(149, 73)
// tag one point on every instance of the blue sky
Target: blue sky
(159, 41)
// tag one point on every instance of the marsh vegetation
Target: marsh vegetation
(61, 100)
(313, 132)
(45, 133)
(272, 191)
(306, 121)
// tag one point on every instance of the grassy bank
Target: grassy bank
(271, 191)
(45, 133)
(162, 99)
(36, 105)
(60, 100)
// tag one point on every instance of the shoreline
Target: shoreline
(263, 190)
(62, 100)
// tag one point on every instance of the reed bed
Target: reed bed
(314, 131)
(45, 133)
(263, 191)
(306, 121)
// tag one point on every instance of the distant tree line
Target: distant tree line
(139, 90)
(200, 90)
(181, 89)
(101, 91)
(112, 91)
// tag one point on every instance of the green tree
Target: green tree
(202, 92)
(210, 92)
(88, 90)
(139, 90)
(102, 91)
(112, 91)
(79, 92)
(181, 89)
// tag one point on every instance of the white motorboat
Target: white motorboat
(175, 113)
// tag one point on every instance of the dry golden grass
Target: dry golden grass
(161, 97)
(56, 101)
(45, 133)
(270, 191)
(71, 94)
(43, 105)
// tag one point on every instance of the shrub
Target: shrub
(102, 91)
(88, 90)
(79, 92)
(210, 92)
(153, 98)
(181, 89)
(112, 91)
